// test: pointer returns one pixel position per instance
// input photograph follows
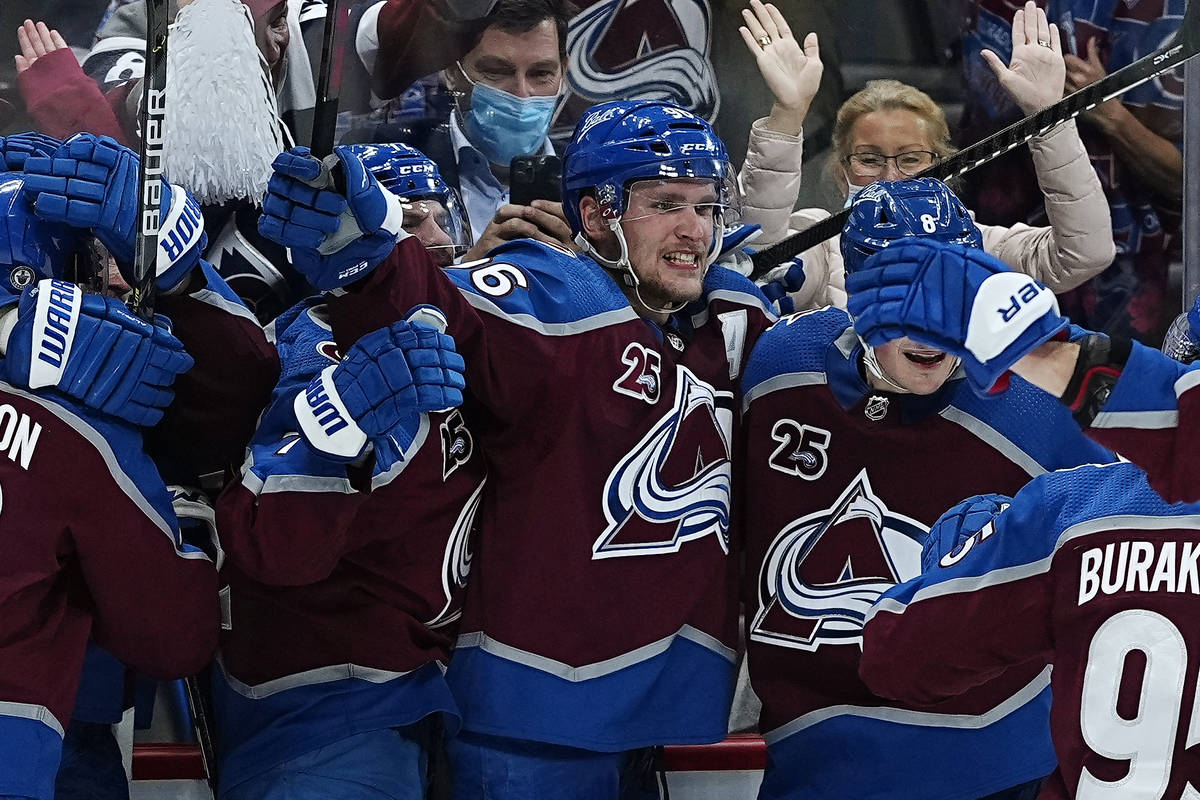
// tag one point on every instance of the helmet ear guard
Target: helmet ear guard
(887, 211)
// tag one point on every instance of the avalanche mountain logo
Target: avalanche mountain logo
(674, 486)
(653, 49)
(825, 570)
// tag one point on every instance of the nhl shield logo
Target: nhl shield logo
(876, 408)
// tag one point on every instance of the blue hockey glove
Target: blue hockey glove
(379, 391)
(92, 182)
(954, 534)
(335, 238)
(783, 283)
(15, 149)
(93, 349)
(958, 299)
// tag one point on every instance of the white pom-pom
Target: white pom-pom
(222, 127)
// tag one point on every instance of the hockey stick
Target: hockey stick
(199, 706)
(154, 84)
(325, 115)
(1184, 45)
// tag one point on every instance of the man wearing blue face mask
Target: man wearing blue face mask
(506, 87)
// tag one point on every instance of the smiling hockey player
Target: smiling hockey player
(850, 453)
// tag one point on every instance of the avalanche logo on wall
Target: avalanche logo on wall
(654, 49)
(673, 487)
(824, 571)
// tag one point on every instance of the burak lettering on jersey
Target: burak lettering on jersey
(824, 571)
(674, 486)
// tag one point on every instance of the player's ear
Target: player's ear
(595, 227)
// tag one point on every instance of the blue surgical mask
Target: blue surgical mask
(852, 192)
(503, 125)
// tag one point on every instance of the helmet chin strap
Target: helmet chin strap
(622, 266)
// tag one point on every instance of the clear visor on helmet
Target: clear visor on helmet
(438, 223)
(714, 199)
(1178, 343)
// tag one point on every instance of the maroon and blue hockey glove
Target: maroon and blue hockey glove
(92, 183)
(958, 299)
(334, 237)
(957, 531)
(93, 349)
(378, 392)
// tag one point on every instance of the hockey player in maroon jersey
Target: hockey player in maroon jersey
(93, 548)
(1090, 571)
(601, 617)
(1125, 395)
(91, 183)
(345, 585)
(849, 454)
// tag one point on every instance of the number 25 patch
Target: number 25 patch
(802, 450)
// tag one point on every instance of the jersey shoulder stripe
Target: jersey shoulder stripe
(538, 285)
(798, 343)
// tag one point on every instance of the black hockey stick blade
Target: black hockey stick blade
(1184, 45)
(325, 114)
(154, 84)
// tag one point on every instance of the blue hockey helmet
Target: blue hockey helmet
(620, 142)
(889, 210)
(410, 175)
(31, 248)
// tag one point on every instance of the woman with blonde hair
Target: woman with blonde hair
(890, 130)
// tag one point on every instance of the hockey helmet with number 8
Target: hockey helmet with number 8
(887, 211)
(31, 248)
(410, 175)
(622, 142)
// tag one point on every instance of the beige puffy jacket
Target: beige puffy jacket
(1077, 245)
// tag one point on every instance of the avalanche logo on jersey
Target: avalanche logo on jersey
(824, 571)
(673, 486)
(456, 562)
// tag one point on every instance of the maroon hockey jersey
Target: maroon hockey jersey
(602, 612)
(91, 547)
(839, 485)
(1088, 570)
